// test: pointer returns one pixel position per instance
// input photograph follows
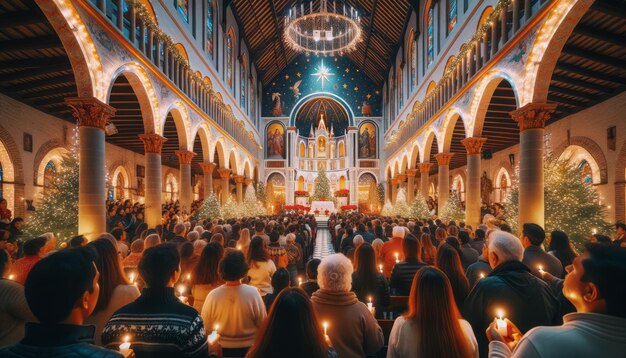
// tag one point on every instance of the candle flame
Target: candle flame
(126, 338)
(370, 298)
(215, 328)
(500, 313)
(11, 277)
(482, 275)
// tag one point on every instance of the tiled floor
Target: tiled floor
(323, 246)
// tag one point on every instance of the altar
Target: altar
(322, 206)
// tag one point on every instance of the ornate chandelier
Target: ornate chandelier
(334, 28)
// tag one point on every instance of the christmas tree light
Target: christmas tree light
(401, 207)
(210, 208)
(419, 208)
(453, 210)
(322, 185)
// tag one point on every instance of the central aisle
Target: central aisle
(323, 246)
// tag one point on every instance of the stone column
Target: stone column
(443, 179)
(410, 186)
(401, 180)
(153, 144)
(473, 146)
(424, 174)
(531, 120)
(239, 185)
(186, 192)
(225, 176)
(207, 171)
(395, 183)
(91, 115)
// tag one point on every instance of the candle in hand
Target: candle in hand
(501, 323)
(380, 267)
(11, 277)
(181, 290)
(541, 271)
(299, 281)
(188, 277)
(125, 347)
(370, 306)
(397, 257)
(213, 335)
(325, 324)
(131, 277)
(239, 247)
(482, 275)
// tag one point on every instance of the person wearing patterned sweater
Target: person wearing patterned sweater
(158, 324)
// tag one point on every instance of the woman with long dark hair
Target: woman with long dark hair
(449, 261)
(205, 276)
(427, 332)
(115, 289)
(291, 330)
(367, 281)
(561, 248)
(261, 267)
(429, 251)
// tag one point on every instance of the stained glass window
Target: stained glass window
(585, 172)
(451, 14)
(430, 39)
(400, 91)
(413, 64)
(182, 6)
(230, 59)
(242, 75)
(209, 28)
(49, 174)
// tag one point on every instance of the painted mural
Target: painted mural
(275, 141)
(310, 74)
(367, 141)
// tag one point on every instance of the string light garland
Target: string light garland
(482, 30)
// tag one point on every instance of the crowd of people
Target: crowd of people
(250, 287)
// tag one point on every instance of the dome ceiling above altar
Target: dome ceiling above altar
(383, 23)
(310, 114)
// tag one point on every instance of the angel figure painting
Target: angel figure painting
(296, 89)
(275, 141)
(367, 141)
(277, 110)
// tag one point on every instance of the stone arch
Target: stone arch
(459, 176)
(82, 53)
(247, 172)
(598, 160)
(144, 91)
(482, 98)
(501, 192)
(430, 136)
(204, 133)
(232, 162)
(404, 164)
(13, 171)
(547, 47)
(120, 168)
(170, 186)
(44, 151)
(220, 151)
(296, 108)
(55, 155)
(182, 51)
(181, 120)
(452, 117)
(414, 156)
(484, 16)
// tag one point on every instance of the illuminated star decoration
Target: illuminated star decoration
(322, 73)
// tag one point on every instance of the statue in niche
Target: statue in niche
(322, 145)
(486, 187)
(278, 105)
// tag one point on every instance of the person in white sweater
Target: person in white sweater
(427, 332)
(236, 309)
(261, 267)
(14, 311)
(596, 286)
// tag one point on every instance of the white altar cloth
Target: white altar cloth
(322, 206)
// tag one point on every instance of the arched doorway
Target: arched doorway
(275, 192)
(367, 195)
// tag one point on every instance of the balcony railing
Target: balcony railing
(132, 20)
(508, 18)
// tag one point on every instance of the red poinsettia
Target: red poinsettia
(342, 193)
(301, 193)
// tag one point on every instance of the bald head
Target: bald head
(504, 246)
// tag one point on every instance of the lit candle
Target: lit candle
(213, 335)
(501, 323)
(131, 277)
(189, 277)
(239, 247)
(181, 290)
(370, 306)
(380, 267)
(325, 324)
(125, 347)
(541, 271)
(397, 257)
(11, 277)
(482, 275)
(594, 231)
(299, 281)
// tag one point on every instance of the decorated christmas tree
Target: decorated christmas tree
(260, 193)
(231, 209)
(387, 209)
(322, 186)
(453, 210)
(57, 211)
(210, 208)
(571, 205)
(251, 206)
(381, 192)
(400, 207)
(419, 208)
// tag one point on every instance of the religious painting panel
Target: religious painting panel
(367, 141)
(275, 141)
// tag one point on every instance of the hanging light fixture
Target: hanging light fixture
(334, 28)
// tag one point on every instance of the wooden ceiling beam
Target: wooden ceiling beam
(615, 63)
(39, 83)
(22, 18)
(566, 67)
(35, 43)
(23, 75)
(601, 35)
(579, 83)
(34, 62)
(610, 9)
(574, 93)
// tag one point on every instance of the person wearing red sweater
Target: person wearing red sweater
(391, 248)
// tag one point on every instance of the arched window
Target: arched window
(230, 58)
(209, 27)
(451, 14)
(182, 6)
(430, 36)
(243, 94)
(413, 63)
(119, 187)
(49, 175)
(584, 168)
(400, 92)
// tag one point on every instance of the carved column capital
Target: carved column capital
(224, 173)
(444, 158)
(247, 181)
(425, 167)
(395, 181)
(473, 145)
(402, 177)
(207, 167)
(238, 179)
(533, 115)
(152, 143)
(411, 172)
(184, 156)
(90, 111)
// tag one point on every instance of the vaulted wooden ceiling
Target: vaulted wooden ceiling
(383, 23)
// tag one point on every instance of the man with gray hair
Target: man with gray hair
(392, 250)
(523, 298)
